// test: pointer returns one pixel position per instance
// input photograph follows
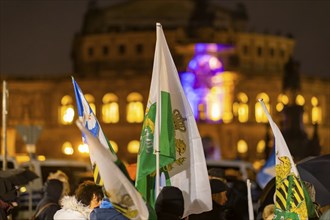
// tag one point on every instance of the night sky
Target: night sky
(36, 35)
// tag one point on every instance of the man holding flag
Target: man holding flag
(171, 151)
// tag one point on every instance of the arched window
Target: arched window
(91, 101)
(242, 146)
(316, 111)
(242, 107)
(261, 146)
(282, 100)
(134, 108)
(259, 112)
(110, 108)
(300, 100)
(66, 111)
(133, 147)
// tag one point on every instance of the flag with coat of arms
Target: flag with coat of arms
(292, 200)
(169, 129)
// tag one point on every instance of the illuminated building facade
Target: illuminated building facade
(224, 70)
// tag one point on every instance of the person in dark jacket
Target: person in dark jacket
(219, 198)
(49, 204)
(106, 211)
(169, 204)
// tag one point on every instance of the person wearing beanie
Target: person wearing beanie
(219, 198)
(49, 204)
(169, 204)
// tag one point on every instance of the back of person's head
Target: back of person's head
(54, 188)
(268, 212)
(218, 186)
(169, 203)
(60, 175)
(217, 173)
(87, 190)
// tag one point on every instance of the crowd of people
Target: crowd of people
(229, 201)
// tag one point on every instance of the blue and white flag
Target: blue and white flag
(123, 195)
(89, 120)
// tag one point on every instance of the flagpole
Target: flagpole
(158, 111)
(4, 123)
(251, 214)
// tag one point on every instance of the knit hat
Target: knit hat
(170, 202)
(54, 188)
(216, 172)
(218, 186)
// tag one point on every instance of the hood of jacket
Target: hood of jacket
(72, 209)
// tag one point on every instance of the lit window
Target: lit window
(133, 147)
(67, 148)
(300, 100)
(261, 146)
(83, 149)
(214, 107)
(110, 108)
(242, 147)
(282, 100)
(259, 112)
(316, 111)
(66, 111)
(90, 99)
(243, 108)
(134, 109)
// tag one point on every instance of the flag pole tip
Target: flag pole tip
(260, 100)
(158, 24)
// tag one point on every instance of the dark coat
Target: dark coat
(217, 213)
(53, 193)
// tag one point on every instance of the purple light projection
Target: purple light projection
(197, 81)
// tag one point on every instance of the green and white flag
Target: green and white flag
(170, 128)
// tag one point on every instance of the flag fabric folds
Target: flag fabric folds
(169, 128)
(88, 118)
(291, 198)
(118, 188)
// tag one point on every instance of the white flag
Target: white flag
(291, 199)
(170, 127)
(120, 189)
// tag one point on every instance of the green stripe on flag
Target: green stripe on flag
(145, 180)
